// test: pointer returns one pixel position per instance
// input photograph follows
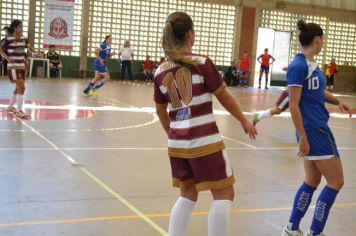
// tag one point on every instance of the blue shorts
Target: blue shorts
(243, 73)
(264, 69)
(322, 144)
(101, 69)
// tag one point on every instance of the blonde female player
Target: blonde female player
(13, 49)
(185, 84)
(317, 147)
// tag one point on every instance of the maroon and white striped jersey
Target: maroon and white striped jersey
(188, 91)
(15, 49)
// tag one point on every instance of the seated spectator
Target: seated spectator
(147, 69)
(231, 75)
(55, 64)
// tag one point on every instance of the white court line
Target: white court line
(237, 141)
(150, 149)
(100, 182)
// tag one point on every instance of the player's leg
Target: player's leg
(213, 172)
(92, 82)
(219, 214)
(333, 173)
(331, 82)
(101, 82)
(303, 198)
(266, 74)
(12, 102)
(260, 77)
(20, 91)
(183, 207)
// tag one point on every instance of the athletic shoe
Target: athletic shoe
(256, 119)
(11, 110)
(88, 94)
(287, 232)
(95, 92)
(259, 87)
(266, 87)
(309, 234)
(21, 114)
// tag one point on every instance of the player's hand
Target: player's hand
(304, 147)
(249, 129)
(345, 108)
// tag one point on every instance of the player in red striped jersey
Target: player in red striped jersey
(13, 49)
(185, 84)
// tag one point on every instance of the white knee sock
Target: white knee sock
(12, 100)
(180, 215)
(264, 114)
(19, 102)
(219, 218)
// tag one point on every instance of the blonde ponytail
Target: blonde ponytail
(177, 26)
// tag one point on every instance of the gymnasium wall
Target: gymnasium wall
(345, 79)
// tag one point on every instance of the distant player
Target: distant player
(103, 53)
(331, 70)
(265, 63)
(13, 49)
(244, 65)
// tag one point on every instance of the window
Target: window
(14, 10)
(142, 21)
(339, 34)
(341, 43)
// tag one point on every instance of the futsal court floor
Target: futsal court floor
(99, 165)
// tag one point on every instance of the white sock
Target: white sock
(219, 218)
(332, 86)
(19, 102)
(264, 114)
(180, 215)
(12, 100)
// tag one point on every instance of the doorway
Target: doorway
(279, 46)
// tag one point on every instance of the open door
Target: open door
(281, 52)
(278, 44)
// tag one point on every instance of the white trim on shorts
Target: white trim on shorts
(283, 103)
(101, 73)
(14, 74)
(318, 158)
(227, 163)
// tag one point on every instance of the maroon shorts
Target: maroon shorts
(209, 172)
(283, 101)
(14, 74)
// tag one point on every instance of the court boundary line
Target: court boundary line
(149, 148)
(99, 182)
(156, 215)
(237, 141)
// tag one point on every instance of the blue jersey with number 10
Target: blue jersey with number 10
(308, 75)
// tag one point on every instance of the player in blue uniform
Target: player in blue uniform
(317, 147)
(101, 71)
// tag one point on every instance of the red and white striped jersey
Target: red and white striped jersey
(15, 49)
(188, 92)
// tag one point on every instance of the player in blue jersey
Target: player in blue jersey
(317, 147)
(103, 53)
